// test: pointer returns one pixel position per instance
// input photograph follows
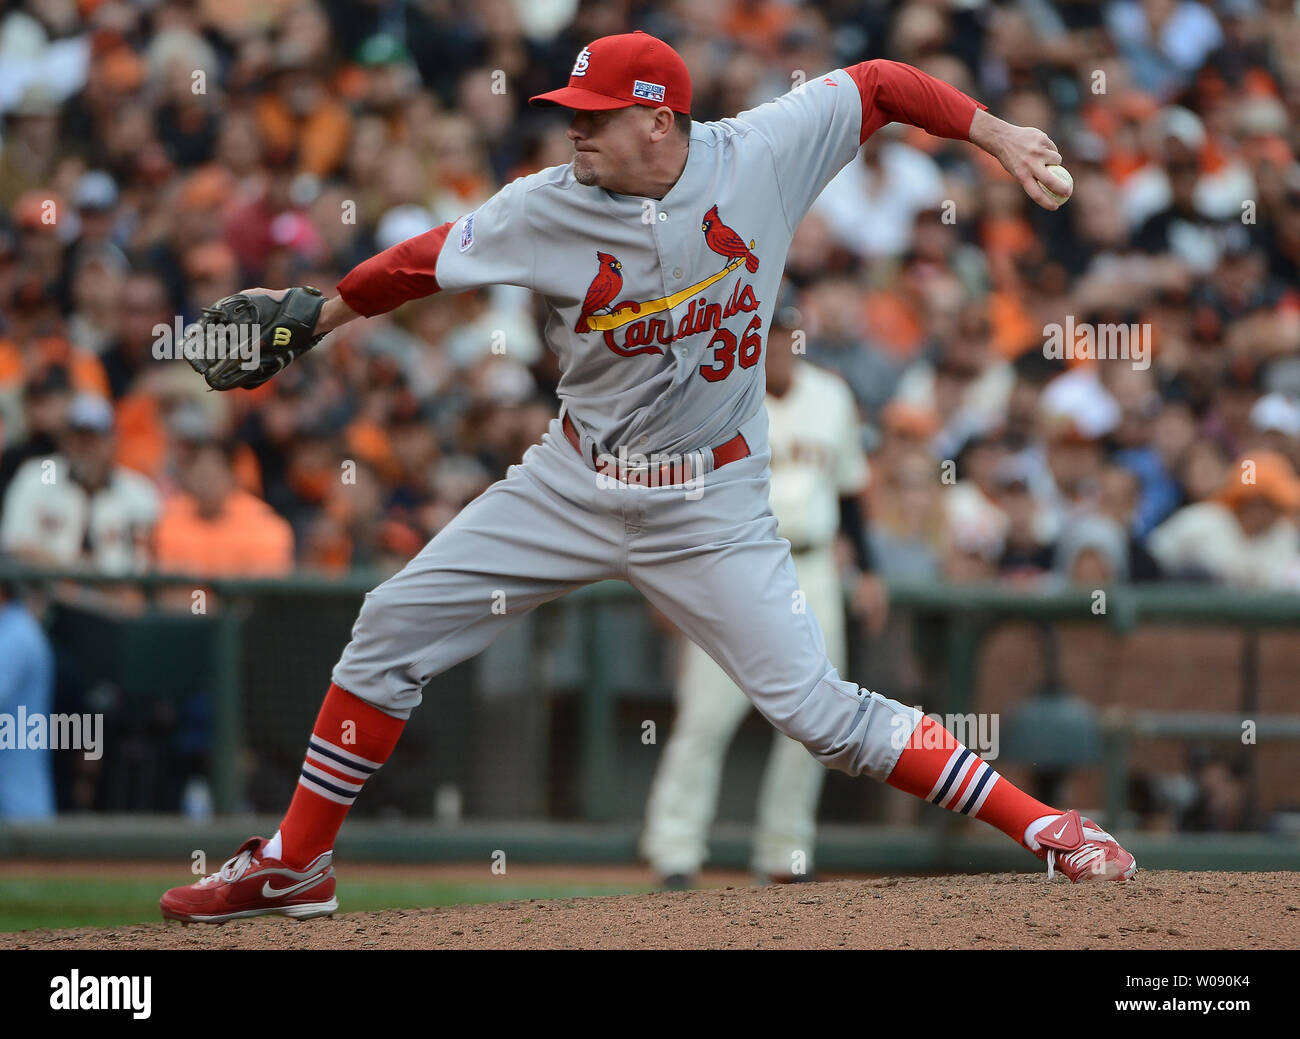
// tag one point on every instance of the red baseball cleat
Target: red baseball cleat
(249, 885)
(1082, 850)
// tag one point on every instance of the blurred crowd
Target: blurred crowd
(158, 155)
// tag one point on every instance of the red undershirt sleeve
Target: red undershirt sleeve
(405, 271)
(896, 93)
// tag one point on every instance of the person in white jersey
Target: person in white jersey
(818, 471)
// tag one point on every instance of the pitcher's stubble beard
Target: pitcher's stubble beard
(583, 173)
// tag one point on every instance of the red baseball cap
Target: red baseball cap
(634, 68)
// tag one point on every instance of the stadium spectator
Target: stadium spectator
(31, 143)
(144, 306)
(1025, 555)
(78, 508)
(1093, 551)
(215, 529)
(1118, 498)
(46, 397)
(1246, 535)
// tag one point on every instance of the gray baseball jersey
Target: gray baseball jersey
(658, 311)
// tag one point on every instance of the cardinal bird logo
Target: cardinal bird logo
(725, 242)
(646, 333)
(602, 290)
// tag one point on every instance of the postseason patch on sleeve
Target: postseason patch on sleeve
(467, 233)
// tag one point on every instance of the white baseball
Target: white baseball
(1062, 174)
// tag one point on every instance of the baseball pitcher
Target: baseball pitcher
(658, 251)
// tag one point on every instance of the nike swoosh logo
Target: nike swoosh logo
(1057, 835)
(270, 892)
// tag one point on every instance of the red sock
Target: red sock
(349, 742)
(935, 766)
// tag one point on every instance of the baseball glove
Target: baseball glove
(250, 336)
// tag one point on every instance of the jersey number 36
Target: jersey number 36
(725, 351)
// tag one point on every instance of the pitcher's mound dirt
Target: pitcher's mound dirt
(1158, 910)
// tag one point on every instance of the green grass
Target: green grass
(27, 903)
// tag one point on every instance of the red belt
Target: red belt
(666, 474)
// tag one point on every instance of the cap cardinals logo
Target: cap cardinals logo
(580, 66)
(725, 242)
(601, 292)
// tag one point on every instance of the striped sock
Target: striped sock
(935, 766)
(349, 742)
